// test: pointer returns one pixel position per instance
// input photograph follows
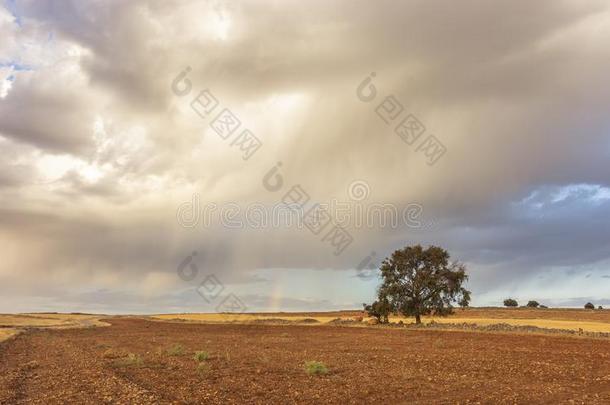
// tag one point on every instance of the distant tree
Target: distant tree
(418, 281)
(533, 304)
(509, 302)
(600, 307)
(379, 310)
(588, 305)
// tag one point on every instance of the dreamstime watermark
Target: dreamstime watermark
(225, 124)
(210, 288)
(358, 190)
(368, 267)
(356, 213)
(409, 128)
(328, 221)
(315, 216)
(347, 214)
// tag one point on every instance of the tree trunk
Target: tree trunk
(417, 319)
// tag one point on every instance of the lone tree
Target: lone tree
(533, 304)
(418, 281)
(588, 305)
(509, 302)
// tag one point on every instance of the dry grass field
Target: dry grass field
(12, 324)
(50, 320)
(6, 333)
(569, 319)
(559, 314)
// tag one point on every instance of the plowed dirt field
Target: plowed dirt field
(264, 364)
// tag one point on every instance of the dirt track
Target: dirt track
(263, 364)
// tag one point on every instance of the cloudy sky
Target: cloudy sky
(133, 134)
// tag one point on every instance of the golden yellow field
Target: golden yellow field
(560, 314)
(216, 317)
(6, 333)
(10, 324)
(540, 323)
(569, 319)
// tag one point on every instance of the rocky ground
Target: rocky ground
(141, 361)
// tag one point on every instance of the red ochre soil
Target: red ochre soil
(264, 364)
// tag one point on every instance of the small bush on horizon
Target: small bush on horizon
(176, 350)
(201, 355)
(533, 304)
(588, 305)
(510, 302)
(315, 368)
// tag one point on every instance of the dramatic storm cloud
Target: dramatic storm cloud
(113, 172)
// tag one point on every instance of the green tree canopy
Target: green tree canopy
(510, 302)
(418, 281)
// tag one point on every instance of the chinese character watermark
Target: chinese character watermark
(409, 128)
(226, 124)
(210, 289)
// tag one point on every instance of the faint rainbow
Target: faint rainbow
(275, 298)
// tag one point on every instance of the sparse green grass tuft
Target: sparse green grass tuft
(176, 350)
(201, 355)
(315, 368)
(132, 360)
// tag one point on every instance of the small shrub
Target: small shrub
(510, 302)
(543, 306)
(132, 360)
(114, 354)
(588, 305)
(315, 368)
(600, 307)
(176, 350)
(379, 310)
(533, 304)
(201, 356)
